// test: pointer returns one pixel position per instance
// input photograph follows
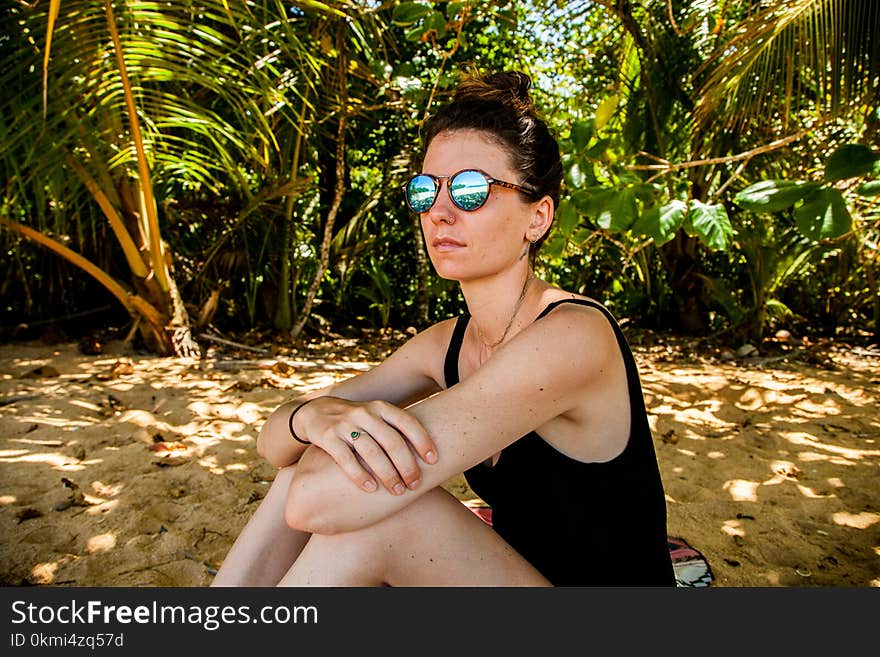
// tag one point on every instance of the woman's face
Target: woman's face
(469, 245)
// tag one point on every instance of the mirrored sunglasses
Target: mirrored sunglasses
(468, 189)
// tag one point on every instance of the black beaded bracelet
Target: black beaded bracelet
(290, 423)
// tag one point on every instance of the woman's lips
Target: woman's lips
(446, 244)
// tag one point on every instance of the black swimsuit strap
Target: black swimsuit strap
(450, 365)
(582, 302)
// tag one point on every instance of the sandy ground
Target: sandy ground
(121, 469)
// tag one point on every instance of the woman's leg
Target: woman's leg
(266, 547)
(435, 541)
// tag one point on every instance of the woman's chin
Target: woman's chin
(448, 276)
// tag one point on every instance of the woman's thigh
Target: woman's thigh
(435, 541)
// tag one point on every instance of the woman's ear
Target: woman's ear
(541, 220)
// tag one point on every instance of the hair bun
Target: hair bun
(507, 87)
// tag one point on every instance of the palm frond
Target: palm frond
(792, 56)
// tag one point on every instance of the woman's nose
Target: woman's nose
(443, 208)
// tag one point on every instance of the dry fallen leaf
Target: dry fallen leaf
(27, 514)
(283, 369)
(76, 496)
(122, 366)
(164, 448)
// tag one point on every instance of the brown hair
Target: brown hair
(500, 104)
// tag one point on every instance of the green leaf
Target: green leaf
(581, 133)
(576, 176)
(436, 21)
(823, 215)
(407, 13)
(453, 9)
(415, 34)
(598, 149)
(555, 247)
(605, 111)
(644, 192)
(583, 200)
(617, 210)
(661, 223)
(773, 195)
(870, 188)
(568, 217)
(849, 161)
(591, 200)
(711, 224)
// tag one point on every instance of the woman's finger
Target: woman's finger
(348, 461)
(376, 459)
(410, 427)
(396, 449)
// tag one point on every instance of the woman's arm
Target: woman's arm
(539, 375)
(399, 380)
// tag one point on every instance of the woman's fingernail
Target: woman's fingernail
(370, 485)
(398, 488)
(431, 457)
(413, 485)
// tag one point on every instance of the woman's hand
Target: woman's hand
(368, 439)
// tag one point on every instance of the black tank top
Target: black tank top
(580, 524)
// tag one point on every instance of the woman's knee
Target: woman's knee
(284, 476)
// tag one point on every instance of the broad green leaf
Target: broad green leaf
(453, 8)
(576, 176)
(617, 211)
(436, 21)
(597, 149)
(590, 200)
(581, 132)
(568, 217)
(711, 224)
(407, 13)
(582, 200)
(644, 192)
(661, 223)
(870, 188)
(823, 215)
(773, 195)
(605, 111)
(555, 247)
(849, 161)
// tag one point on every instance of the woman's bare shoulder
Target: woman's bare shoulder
(427, 349)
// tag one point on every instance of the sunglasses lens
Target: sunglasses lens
(420, 193)
(469, 190)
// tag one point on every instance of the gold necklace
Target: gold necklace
(522, 296)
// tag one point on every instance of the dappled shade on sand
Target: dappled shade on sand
(120, 469)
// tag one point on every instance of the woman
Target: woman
(533, 394)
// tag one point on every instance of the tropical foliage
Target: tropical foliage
(238, 163)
